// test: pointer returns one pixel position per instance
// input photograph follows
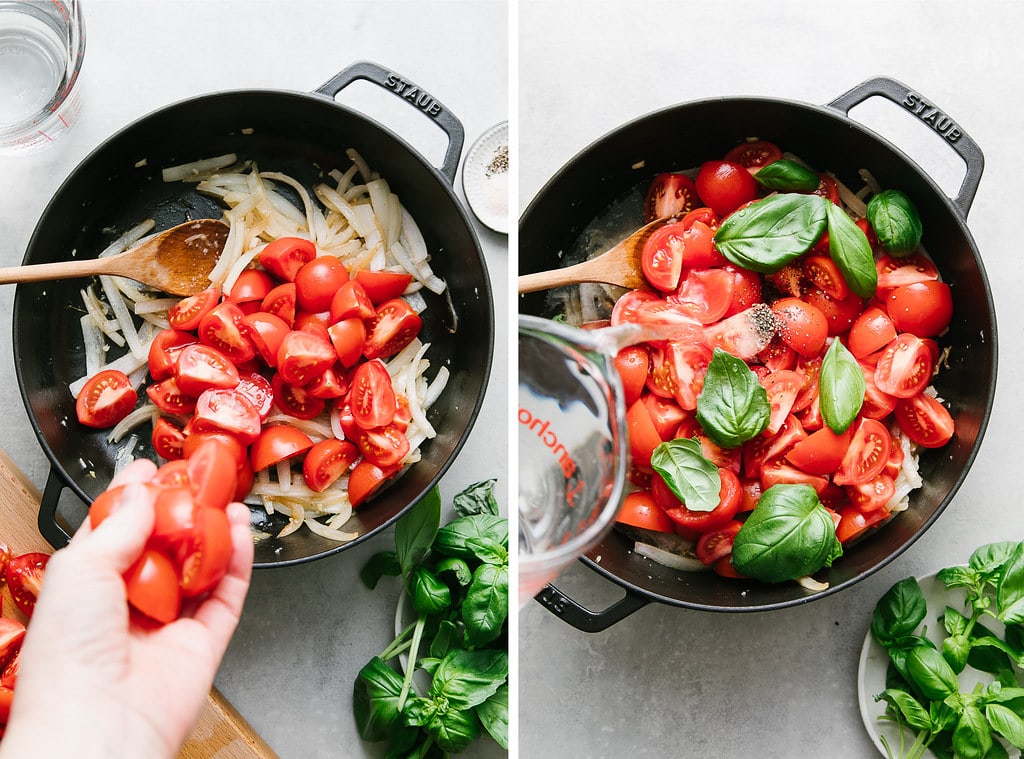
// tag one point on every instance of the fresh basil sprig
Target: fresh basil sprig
(733, 407)
(841, 387)
(849, 248)
(788, 535)
(770, 233)
(896, 222)
(787, 176)
(692, 478)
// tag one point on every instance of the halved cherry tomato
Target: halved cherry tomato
(277, 443)
(725, 186)
(639, 509)
(188, 312)
(303, 356)
(633, 363)
(152, 586)
(687, 366)
(670, 194)
(295, 400)
(173, 518)
(394, 327)
(778, 471)
(351, 301)
(164, 350)
(871, 331)
(825, 275)
(665, 413)
(195, 438)
(867, 455)
(372, 395)
(348, 338)
(839, 313)
(782, 387)
(746, 290)
(257, 389)
(106, 399)
(661, 259)
(874, 494)
(717, 544)
(382, 286)
(281, 302)
(905, 367)
(326, 461)
(228, 411)
(317, 282)
(705, 294)
(266, 331)
(804, 328)
(222, 329)
(384, 446)
(329, 385)
(828, 188)
(922, 308)
(251, 285)
(211, 474)
(168, 440)
(821, 452)
(626, 308)
(896, 272)
(730, 496)
(200, 367)
(925, 421)
(285, 256)
(366, 478)
(205, 557)
(754, 155)
(25, 578)
(853, 522)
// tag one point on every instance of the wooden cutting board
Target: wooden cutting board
(221, 731)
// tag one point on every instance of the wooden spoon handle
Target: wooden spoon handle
(56, 270)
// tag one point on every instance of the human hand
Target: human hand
(97, 680)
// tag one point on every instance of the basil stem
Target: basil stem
(896, 222)
(692, 478)
(851, 251)
(787, 176)
(770, 233)
(733, 406)
(841, 387)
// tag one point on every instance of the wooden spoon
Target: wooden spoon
(177, 261)
(619, 265)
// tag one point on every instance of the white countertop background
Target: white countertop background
(306, 630)
(671, 682)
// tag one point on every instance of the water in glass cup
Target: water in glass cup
(572, 454)
(41, 47)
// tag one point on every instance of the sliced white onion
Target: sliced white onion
(329, 532)
(809, 583)
(669, 559)
(196, 168)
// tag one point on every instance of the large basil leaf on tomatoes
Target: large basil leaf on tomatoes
(787, 176)
(841, 387)
(789, 534)
(896, 222)
(851, 251)
(770, 233)
(692, 478)
(733, 406)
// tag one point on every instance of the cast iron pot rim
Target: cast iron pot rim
(57, 476)
(845, 121)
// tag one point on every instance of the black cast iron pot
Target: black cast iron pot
(301, 134)
(621, 165)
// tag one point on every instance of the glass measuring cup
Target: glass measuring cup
(572, 445)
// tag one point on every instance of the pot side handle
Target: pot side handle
(584, 619)
(933, 117)
(49, 527)
(411, 93)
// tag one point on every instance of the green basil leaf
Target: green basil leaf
(692, 478)
(429, 594)
(447, 636)
(990, 558)
(493, 714)
(769, 234)
(454, 729)
(787, 176)
(451, 539)
(957, 577)
(913, 713)
(931, 673)
(851, 251)
(468, 678)
(896, 222)
(419, 711)
(415, 531)
(788, 535)
(972, 737)
(375, 700)
(955, 650)
(383, 563)
(455, 569)
(841, 387)
(1010, 588)
(486, 605)
(1007, 723)
(488, 550)
(476, 499)
(733, 407)
(898, 612)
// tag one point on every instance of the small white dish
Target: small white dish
(485, 178)
(874, 662)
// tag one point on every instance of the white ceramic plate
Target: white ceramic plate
(485, 178)
(874, 661)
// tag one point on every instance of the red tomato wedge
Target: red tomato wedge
(25, 578)
(382, 286)
(905, 367)
(372, 396)
(925, 421)
(755, 154)
(188, 312)
(200, 367)
(821, 452)
(365, 479)
(670, 194)
(351, 301)
(277, 443)
(106, 399)
(867, 455)
(228, 411)
(327, 461)
(266, 331)
(222, 328)
(164, 350)
(286, 255)
(639, 509)
(212, 475)
(152, 586)
(303, 356)
(205, 557)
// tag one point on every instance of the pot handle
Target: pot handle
(411, 93)
(934, 118)
(584, 619)
(49, 527)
